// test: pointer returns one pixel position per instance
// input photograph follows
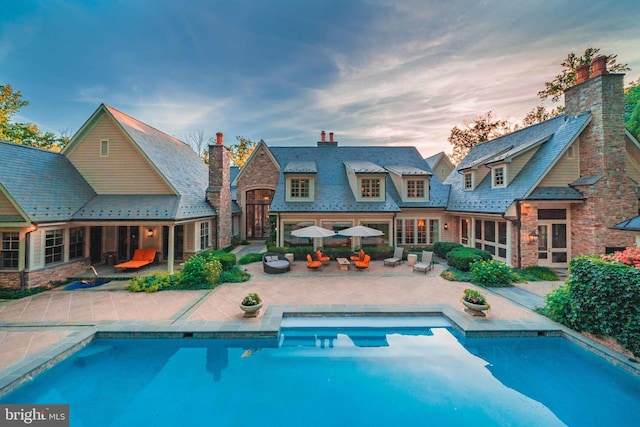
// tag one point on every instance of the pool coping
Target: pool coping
(268, 326)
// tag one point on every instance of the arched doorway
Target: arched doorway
(257, 211)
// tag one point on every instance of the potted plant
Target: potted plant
(251, 304)
(474, 302)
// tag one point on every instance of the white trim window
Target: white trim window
(468, 180)
(417, 231)
(491, 236)
(416, 189)
(300, 188)
(370, 188)
(9, 251)
(53, 246)
(104, 148)
(499, 176)
(205, 236)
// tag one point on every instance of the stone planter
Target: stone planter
(475, 309)
(251, 310)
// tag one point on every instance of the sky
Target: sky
(374, 72)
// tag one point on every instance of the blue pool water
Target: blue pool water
(335, 376)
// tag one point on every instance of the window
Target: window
(415, 188)
(76, 243)
(104, 148)
(499, 178)
(419, 231)
(491, 236)
(464, 231)
(299, 188)
(468, 181)
(204, 235)
(370, 188)
(9, 250)
(53, 246)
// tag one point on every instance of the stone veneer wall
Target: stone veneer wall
(219, 191)
(41, 277)
(613, 197)
(260, 172)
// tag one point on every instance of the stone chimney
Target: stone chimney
(219, 190)
(602, 149)
(324, 142)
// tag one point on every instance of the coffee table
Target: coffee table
(343, 263)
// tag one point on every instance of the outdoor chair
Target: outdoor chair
(397, 257)
(314, 265)
(274, 263)
(141, 257)
(323, 259)
(364, 264)
(426, 263)
(359, 257)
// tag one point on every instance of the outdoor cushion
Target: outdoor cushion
(141, 257)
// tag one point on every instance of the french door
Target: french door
(552, 244)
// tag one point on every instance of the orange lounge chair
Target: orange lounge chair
(316, 265)
(364, 264)
(359, 257)
(323, 259)
(141, 257)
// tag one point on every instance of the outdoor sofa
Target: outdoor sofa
(274, 263)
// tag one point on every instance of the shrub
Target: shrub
(630, 256)
(443, 248)
(538, 273)
(600, 297)
(198, 272)
(249, 258)
(235, 275)
(153, 282)
(455, 275)
(492, 273)
(462, 258)
(226, 259)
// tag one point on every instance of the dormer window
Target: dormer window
(499, 176)
(416, 189)
(468, 181)
(300, 188)
(370, 188)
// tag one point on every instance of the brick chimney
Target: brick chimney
(324, 142)
(219, 190)
(602, 149)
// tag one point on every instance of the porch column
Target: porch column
(22, 250)
(171, 254)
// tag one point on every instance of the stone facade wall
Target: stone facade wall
(259, 173)
(613, 197)
(219, 191)
(42, 277)
(528, 224)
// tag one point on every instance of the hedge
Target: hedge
(462, 258)
(443, 248)
(601, 297)
(300, 252)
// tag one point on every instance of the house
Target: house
(119, 185)
(441, 165)
(550, 192)
(538, 196)
(391, 189)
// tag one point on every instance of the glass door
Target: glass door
(552, 244)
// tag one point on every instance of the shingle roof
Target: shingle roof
(46, 186)
(301, 167)
(176, 161)
(332, 190)
(560, 131)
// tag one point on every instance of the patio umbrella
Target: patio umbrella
(313, 231)
(360, 231)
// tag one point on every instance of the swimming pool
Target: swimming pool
(406, 373)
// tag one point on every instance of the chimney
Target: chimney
(219, 191)
(599, 66)
(582, 72)
(323, 141)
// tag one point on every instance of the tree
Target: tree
(567, 77)
(23, 133)
(196, 140)
(538, 114)
(241, 151)
(479, 129)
